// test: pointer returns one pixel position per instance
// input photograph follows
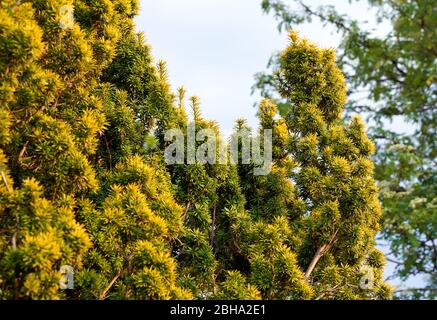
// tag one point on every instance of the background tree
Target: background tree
(396, 75)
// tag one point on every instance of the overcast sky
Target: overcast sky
(214, 48)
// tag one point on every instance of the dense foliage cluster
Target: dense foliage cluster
(392, 80)
(84, 181)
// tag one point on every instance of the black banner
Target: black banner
(223, 310)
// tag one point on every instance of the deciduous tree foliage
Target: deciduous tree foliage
(84, 180)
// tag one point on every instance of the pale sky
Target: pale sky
(214, 48)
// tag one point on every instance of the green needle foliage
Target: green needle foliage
(84, 182)
(132, 227)
(321, 244)
(63, 131)
(392, 78)
(51, 122)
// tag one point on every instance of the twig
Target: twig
(324, 293)
(393, 261)
(14, 240)
(14, 236)
(20, 155)
(184, 216)
(103, 295)
(213, 224)
(109, 153)
(319, 253)
(6, 182)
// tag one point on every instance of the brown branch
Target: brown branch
(394, 261)
(213, 224)
(184, 216)
(339, 24)
(109, 153)
(319, 253)
(14, 236)
(398, 68)
(6, 182)
(103, 295)
(129, 271)
(328, 291)
(20, 155)
(14, 240)
(235, 243)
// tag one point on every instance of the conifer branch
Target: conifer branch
(109, 153)
(213, 224)
(319, 253)
(103, 295)
(23, 150)
(14, 236)
(184, 216)
(17, 220)
(6, 182)
(328, 291)
(14, 239)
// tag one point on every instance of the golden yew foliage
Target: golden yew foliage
(333, 176)
(131, 228)
(83, 181)
(54, 111)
